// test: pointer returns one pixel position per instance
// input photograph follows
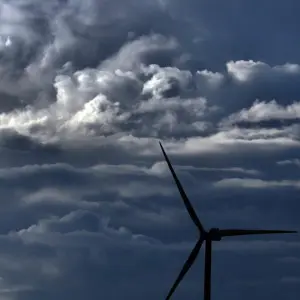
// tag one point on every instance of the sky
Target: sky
(88, 88)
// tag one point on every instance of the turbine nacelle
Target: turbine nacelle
(214, 234)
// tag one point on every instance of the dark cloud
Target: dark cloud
(87, 90)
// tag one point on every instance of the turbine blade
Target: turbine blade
(186, 201)
(235, 232)
(187, 265)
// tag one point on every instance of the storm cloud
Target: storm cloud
(89, 88)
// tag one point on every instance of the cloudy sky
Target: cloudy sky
(88, 88)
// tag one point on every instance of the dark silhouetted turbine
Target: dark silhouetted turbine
(214, 234)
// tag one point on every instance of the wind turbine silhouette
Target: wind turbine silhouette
(214, 234)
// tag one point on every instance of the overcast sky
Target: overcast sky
(88, 89)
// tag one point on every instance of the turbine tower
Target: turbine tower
(214, 234)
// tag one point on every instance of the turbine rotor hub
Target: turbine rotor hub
(214, 234)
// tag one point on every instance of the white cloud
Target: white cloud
(209, 79)
(245, 71)
(295, 162)
(81, 229)
(265, 111)
(162, 168)
(85, 229)
(163, 79)
(108, 100)
(237, 140)
(256, 183)
(132, 55)
(55, 196)
(94, 102)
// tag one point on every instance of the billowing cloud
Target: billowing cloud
(262, 111)
(89, 88)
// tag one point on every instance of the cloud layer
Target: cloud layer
(87, 90)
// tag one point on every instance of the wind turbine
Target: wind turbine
(214, 234)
